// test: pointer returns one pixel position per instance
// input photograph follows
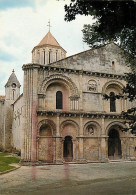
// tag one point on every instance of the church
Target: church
(62, 115)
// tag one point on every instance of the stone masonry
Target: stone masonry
(61, 115)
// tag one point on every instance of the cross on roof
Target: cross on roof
(49, 24)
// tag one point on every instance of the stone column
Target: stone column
(124, 147)
(30, 107)
(81, 146)
(34, 114)
(131, 149)
(104, 143)
(74, 149)
(80, 91)
(58, 146)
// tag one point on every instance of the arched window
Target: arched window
(49, 56)
(44, 56)
(59, 100)
(14, 85)
(13, 94)
(56, 55)
(112, 102)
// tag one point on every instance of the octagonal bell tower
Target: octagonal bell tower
(48, 51)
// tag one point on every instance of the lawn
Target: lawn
(6, 161)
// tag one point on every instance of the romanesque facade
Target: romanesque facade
(62, 115)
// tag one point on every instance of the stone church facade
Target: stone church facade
(61, 115)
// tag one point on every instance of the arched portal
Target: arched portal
(68, 149)
(114, 145)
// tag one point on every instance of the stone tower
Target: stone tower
(12, 88)
(12, 92)
(48, 51)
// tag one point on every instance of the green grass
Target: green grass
(5, 162)
(4, 154)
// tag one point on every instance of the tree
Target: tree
(116, 21)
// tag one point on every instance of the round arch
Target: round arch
(115, 124)
(114, 142)
(110, 83)
(70, 123)
(47, 122)
(60, 79)
(93, 124)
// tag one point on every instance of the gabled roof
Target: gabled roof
(12, 79)
(49, 40)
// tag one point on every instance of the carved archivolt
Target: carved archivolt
(112, 83)
(69, 122)
(115, 125)
(61, 79)
(92, 128)
(47, 122)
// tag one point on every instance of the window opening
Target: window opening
(44, 56)
(56, 56)
(59, 100)
(49, 57)
(112, 102)
(13, 94)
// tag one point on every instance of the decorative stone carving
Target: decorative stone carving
(90, 130)
(92, 85)
(41, 96)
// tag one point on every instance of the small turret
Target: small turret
(12, 88)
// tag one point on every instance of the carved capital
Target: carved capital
(41, 95)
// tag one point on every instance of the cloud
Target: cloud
(4, 56)
(23, 27)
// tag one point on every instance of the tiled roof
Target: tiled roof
(49, 40)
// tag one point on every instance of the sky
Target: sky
(23, 24)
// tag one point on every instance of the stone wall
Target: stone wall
(1, 124)
(17, 129)
(97, 60)
(85, 117)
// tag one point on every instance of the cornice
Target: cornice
(47, 45)
(31, 66)
(79, 114)
(73, 71)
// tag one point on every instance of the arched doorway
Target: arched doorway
(68, 149)
(114, 145)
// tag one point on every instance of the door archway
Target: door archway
(68, 149)
(114, 145)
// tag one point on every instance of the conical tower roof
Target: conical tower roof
(12, 79)
(48, 39)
